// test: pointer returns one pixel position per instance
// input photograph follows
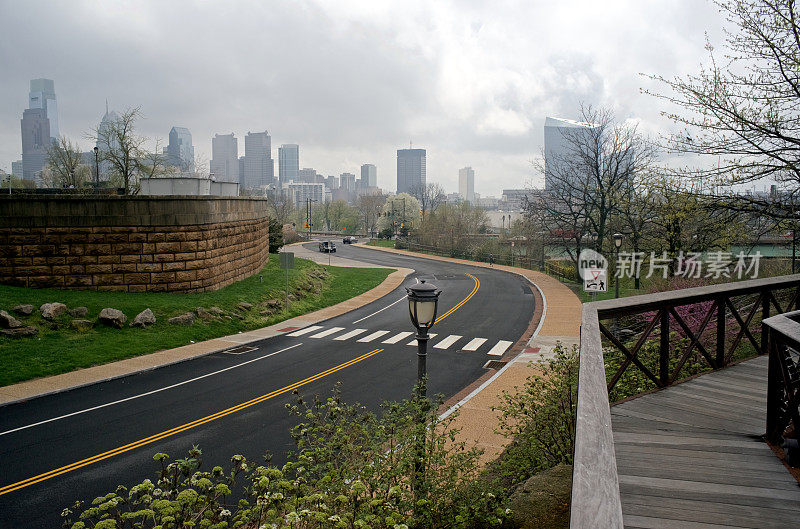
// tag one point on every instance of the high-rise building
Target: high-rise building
(369, 175)
(307, 175)
(466, 184)
(39, 127)
(410, 169)
(300, 192)
(259, 168)
(558, 149)
(347, 181)
(16, 168)
(332, 182)
(180, 151)
(225, 158)
(288, 162)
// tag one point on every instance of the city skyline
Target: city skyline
(477, 92)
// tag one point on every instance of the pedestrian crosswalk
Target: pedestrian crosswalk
(454, 342)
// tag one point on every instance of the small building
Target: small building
(169, 186)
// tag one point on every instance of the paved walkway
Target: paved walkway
(690, 456)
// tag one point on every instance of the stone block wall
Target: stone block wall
(133, 244)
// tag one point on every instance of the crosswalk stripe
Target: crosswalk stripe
(447, 342)
(327, 332)
(473, 344)
(414, 341)
(374, 335)
(307, 330)
(499, 348)
(348, 335)
(397, 337)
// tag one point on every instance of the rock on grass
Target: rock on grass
(51, 311)
(79, 312)
(19, 332)
(82, 325)
(144, 318)
(186, 318)
(24, 309)
(112, 318)
(7, 321)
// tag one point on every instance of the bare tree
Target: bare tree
(281, 205)
(124, 151)
(430, 196)
(65, 166)
(742, 110)
(370, 208)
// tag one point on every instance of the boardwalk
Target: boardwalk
(690, 456)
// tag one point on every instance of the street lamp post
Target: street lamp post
(423, 299)
(96, 168)
(617, 243)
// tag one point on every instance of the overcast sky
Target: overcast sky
(353, 81)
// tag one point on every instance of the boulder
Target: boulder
(7, 321)
(112, 318)
(243, 305)
(144, 318)
(274, 303)
(24, 310)
(51, 311)
(79, 312)
(216, 311)
(204, 315)
(542, 502)
(184, 319)
(82, 325)
(19, 332)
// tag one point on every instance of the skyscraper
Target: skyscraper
(369, 175)
(466, 184)
(410, 169)
(225, 157)
(288, 162)
(180, 151)
(558, 148)
(347, 181)
(259, 168)
(39, 127)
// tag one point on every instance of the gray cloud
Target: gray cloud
(350, 82)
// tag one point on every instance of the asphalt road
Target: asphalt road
(88, 442)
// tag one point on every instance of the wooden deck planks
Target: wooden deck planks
(691, 456)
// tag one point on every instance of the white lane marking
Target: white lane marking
(397, 337)
(474, 344)
(384, 308)
(499, 348)
(348, 335)
(327, 332)
(447, 342)
(414, 341)
(373, 336)
(149, 392)
(307, 330)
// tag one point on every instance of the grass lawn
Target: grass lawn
(60, 349)
(386, 243)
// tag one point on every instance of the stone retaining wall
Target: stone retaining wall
(134, 244)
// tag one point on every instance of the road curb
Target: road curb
(40, 387)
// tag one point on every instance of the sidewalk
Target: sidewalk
(556, 319)
(92, 375)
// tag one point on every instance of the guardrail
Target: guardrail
(595, 485)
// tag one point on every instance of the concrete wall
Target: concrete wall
(134, 244)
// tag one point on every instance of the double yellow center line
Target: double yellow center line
(469, 297)
(153, 438)
(188, 426)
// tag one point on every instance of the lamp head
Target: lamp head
(96, 149)
(618, 239)
(423, 299)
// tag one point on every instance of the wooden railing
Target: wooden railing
(783, 386)
(737, 310)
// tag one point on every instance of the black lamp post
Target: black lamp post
(96, 168)
(617, 243)
(423, 299)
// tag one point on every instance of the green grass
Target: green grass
(385, 243)
(59, 349)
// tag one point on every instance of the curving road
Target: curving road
(83, 443)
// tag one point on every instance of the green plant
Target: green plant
(351, 468)
(540, 418)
